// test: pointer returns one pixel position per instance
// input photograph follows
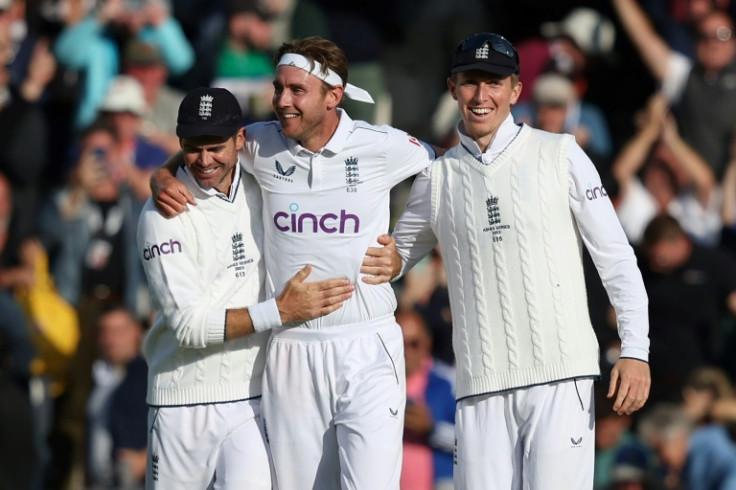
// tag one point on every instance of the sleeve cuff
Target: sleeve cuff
(265, 315)
(216, 326)
(634, 353)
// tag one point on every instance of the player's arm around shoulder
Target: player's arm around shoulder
(170, 195)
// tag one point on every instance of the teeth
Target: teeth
(207, 171)
(289, 116)
(478, 110)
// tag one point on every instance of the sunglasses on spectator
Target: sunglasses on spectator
(723, 33)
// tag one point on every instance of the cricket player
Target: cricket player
(511, 208)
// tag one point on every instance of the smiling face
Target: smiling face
(305, 106)
(211, 159)
(484, 100)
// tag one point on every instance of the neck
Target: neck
(226, 184)
(317, 140)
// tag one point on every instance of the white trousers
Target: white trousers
(333, 405)
(541, 437)
(220, 446)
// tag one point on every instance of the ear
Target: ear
(515, 93)
(333, 97)
(451, 87)
(240, 139)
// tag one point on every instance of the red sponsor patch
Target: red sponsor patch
(414, 141)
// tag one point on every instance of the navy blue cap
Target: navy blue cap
(487, 52)
(207, 111)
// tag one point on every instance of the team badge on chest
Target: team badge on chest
(352, 174)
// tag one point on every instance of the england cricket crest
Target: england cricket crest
(240, 261)
(352, 174)
(495, 224)
(205, 107)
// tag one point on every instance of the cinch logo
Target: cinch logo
(166, 248)
(595, 192)
(310, 223)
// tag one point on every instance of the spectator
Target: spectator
(16, 430)
(89, 45)
(18, 347)
(424, 288)
(23, 140)
(430, 411)
(696, 458)
(557, 108)
(54, 331)
(631, 470)
(125, 107)
(728, 205)
(674, 180)
(89, 228)
(676, 21)
(708, 396)
(691, 288)
(418, 83)
(572, 46)
(244, 62)
(144, 62)
(116, 408)
(615, 444)
(701, 92)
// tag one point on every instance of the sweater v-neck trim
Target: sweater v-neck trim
(501, 158)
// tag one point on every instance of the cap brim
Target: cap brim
(196, 130)
(486, 67)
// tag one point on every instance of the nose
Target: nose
(281, 98)
(480, 92)
(204, 158)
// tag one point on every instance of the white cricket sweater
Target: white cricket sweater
(513, 256)
(199, 264)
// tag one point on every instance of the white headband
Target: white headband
(331, 78)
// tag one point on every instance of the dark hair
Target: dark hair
(101, 124)
(660, 228)
(318, 49)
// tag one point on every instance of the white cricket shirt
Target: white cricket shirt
(326, 208)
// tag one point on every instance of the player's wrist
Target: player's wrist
(265, 315)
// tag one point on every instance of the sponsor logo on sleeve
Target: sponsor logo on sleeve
(593, 193)
(164, 248)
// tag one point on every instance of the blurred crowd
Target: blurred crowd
(89, 91)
